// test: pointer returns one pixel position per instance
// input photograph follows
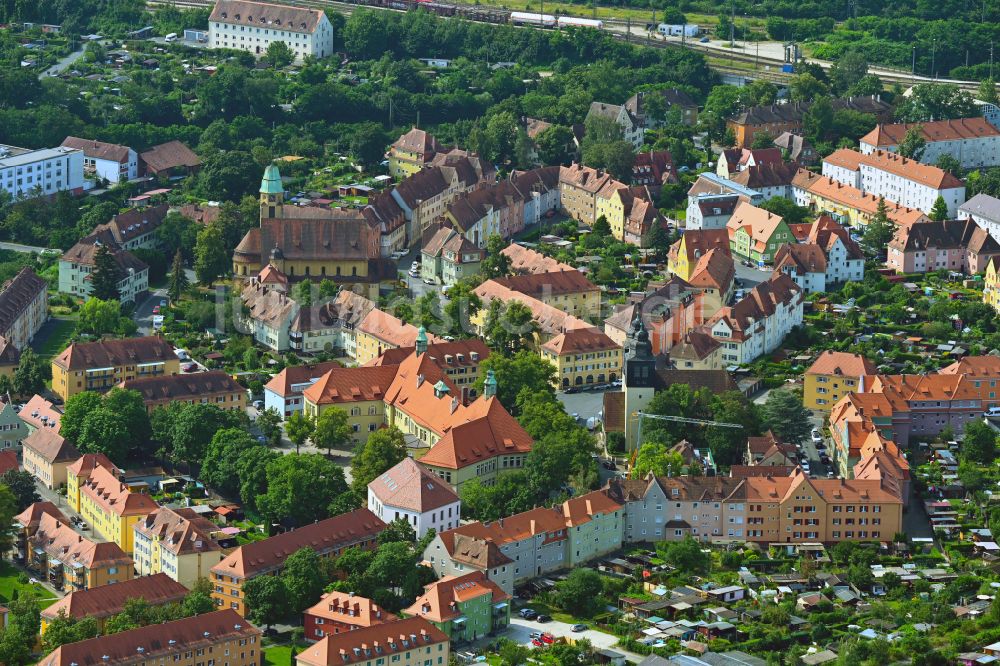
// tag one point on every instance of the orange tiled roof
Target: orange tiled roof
(350, 609)
(842, 363)
(439, 602)
(113, 496)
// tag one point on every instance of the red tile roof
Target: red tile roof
(409, 486)
(107, 600)
(365, 644)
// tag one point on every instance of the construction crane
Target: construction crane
(677, 419)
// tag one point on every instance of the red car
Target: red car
(548, 638)
(537, 642)
(156, 309)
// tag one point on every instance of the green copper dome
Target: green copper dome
(271, 183)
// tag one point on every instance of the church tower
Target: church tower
(272, 194)
(639, 377)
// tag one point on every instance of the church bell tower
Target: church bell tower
(272, 194)
(639, 377)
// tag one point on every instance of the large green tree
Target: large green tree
(332, 430)
(219, 467)
(522, 371)
(106, 275)
(913, 143)
(178, 282)
(304, 577)
(299, 427)
(301, 488)
(382, 450)
(785, 414)
(211, 258)
(267, 600)
(979, 443)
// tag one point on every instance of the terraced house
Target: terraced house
(99, 366)
(177, 543)
(756, 234)
(24, 307)
(112, 507)
(758, 323)
(466, 608)
(359, 528)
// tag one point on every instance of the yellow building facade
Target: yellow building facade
(112, 509)
(991, 285)
(102, 365)
(832, 376)
(612, 208)
(583, 358)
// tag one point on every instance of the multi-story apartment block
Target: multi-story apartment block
(27, 173)
(709, 211)
(411, 152)
(756, 234)
(67, 560)
(540, 189)
(991, 284)
(569, 291)
(380, 332)
(219, 637)
(78, 263)
(359, 528)
(410, 642)
(104, 601)
(47, 456)
(136, 228)
(846, 204)
(112, 507)
(101, 365)
(427, 195)
(669, 312)
(583, 357)
(551, 320)
(954, 245)
(24, 307)
(770, 179)
(106, 161)
(79, 472)
(833, 375)
(450, 256)
(408, 491)
(207, 388)
(177, 543)
(338, 612)
(974, 142)
(578, 188)
(530, 544)
(466, 608)
(632, 131)
(283, 393)
(494, 210)
(777, 119)
(714, 276)
(360, 392)
(896, 178)
(693, 245)
(40, 414)
(254, 26)
(984, 210)
(460, 360)
(758, 323)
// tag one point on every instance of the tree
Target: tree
(106, 275)
(382, 451)
(523, 371)
(211, 259)
(299, 427)
(935, 101)
(850, 68)
(218, 469)
(786, 416)
(939, 211)
(616, 157)
(194, 426)
(979, 443)
(99, 317)
(266, 598)
(279, 55)
(496, 264)
(75, 411)
(30, 374)
(509, 327)
(332, 430)
(103, 432)
(63, 629)
(948, 163)
(553, 145)
(817, 121)
(913, 143)
(686, 555)
(302, 293)
(879, 232)
(269, 422)
(178, 281)
(8, 509)
(304, 578)
(398, 530)
(806, 87)
(601, 228)
(580, 592)
(657, 458)
(463, 304)
(368, 143)
(987, 92)
(300, 488)
(762, 140)
(251, 469)
(22, 485)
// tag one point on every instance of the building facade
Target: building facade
(106, 161)
(831, 376)
(112, 507)
(102, 365)
(973, 142)
(466, 608)
(410, 642)
(254, 26)
(338, 612)
(24, 307)
(27, 173)
(411, 493)
(177, 543)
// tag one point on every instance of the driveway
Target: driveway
(143, 314)
(520, 631)
(17, 247)
(749, 276)
(63, 64)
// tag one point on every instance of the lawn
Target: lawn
(9, 584)
(279, 655)
(53, 338)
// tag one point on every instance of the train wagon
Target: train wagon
(565, 21)
(529, 18)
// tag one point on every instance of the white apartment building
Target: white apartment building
(898, 179)
(25, 173)
(410, 492)
(758, 324)
(254, 26)
(984, 210)
(632, 131)
(974, 142)
(112, 162)
(77, 265)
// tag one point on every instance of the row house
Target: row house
(776, 119)
(284, 393)
(551, 320)
(411, 642)
(710, 211)
(388, 219)
(796, 148)
(541, 192)
(770, 179)
(24, 307)
(112, 507)
(569, 291)
(846, 204)
(960, 246)
(991, 284)
(497, 210)
(521, 547)
(578, 188)
(629, 212)
(337, 612)
(973, 142)
(136, 228)
(757, 324)
(756, 234)
(105, 601)
(896, 178)
(106, 161)
(177, 543)
(525, 261)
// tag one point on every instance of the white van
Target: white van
(172, 37)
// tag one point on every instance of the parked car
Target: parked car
(548, 638)
(414, 266)
(163, 302)
(579, 627)
(704, 40)
(609, 464)
(156, 309)
(816, 436)
(528, 613)
(543, 619)
(537, 642)
(535, 634)
(258, 404)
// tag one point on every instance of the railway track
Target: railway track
(765, 67)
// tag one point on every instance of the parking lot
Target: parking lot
(520, 630)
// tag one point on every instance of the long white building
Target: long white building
(253, 26)
(902, 180)
(974, 142)
(25, 173)
(984, 210)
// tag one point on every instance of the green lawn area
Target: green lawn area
(279, 655)
(9, 583)
(56, 338)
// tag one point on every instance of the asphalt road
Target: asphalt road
(520, 631)
(17, 247)
(143, 314)
(750, 277)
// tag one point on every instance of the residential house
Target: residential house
(714, 275)
(101, 365)
(669, 311)
(105, 601)
(12, 429)
(338, 612)
(136, 228)
(670, 104)
(710, 183)
(64, 558)
(254, 26)
(832, 375)
(106, 161)
(214, 387)
(410, 492)
(955, 245)
(269, 314)
(569, 291)
(771, 179)
(796, 148)
(39, 413)
(184, 642)
(578, 188)
(449, 257)
(619, 114)
(380, 331)
(735, 160)
(524, 260)
(984, 210)
(466, 607)
(756, 234)
(80, 470)
(359, 528)
(494, 210)
(697, 351)
(583, 357)
(973, 142)
(283, 393)
(24, 307)
(77, 265)
(891, 176)
(629, 212)
(776, 119)
(540, 190)
(653, 168)
(460, 360)
(26, 173)
(758, 323)
(531, 544)
(710, 211)
(427, 195)
(170, 159)
(685, 253)
(112, 507)
(551, 320)
(358, 391)
(177, 543)
(46, 456)
(411, 152)
(768, 451)
(805, 263)
(408, 642)
(848, 205)
(991, 284)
